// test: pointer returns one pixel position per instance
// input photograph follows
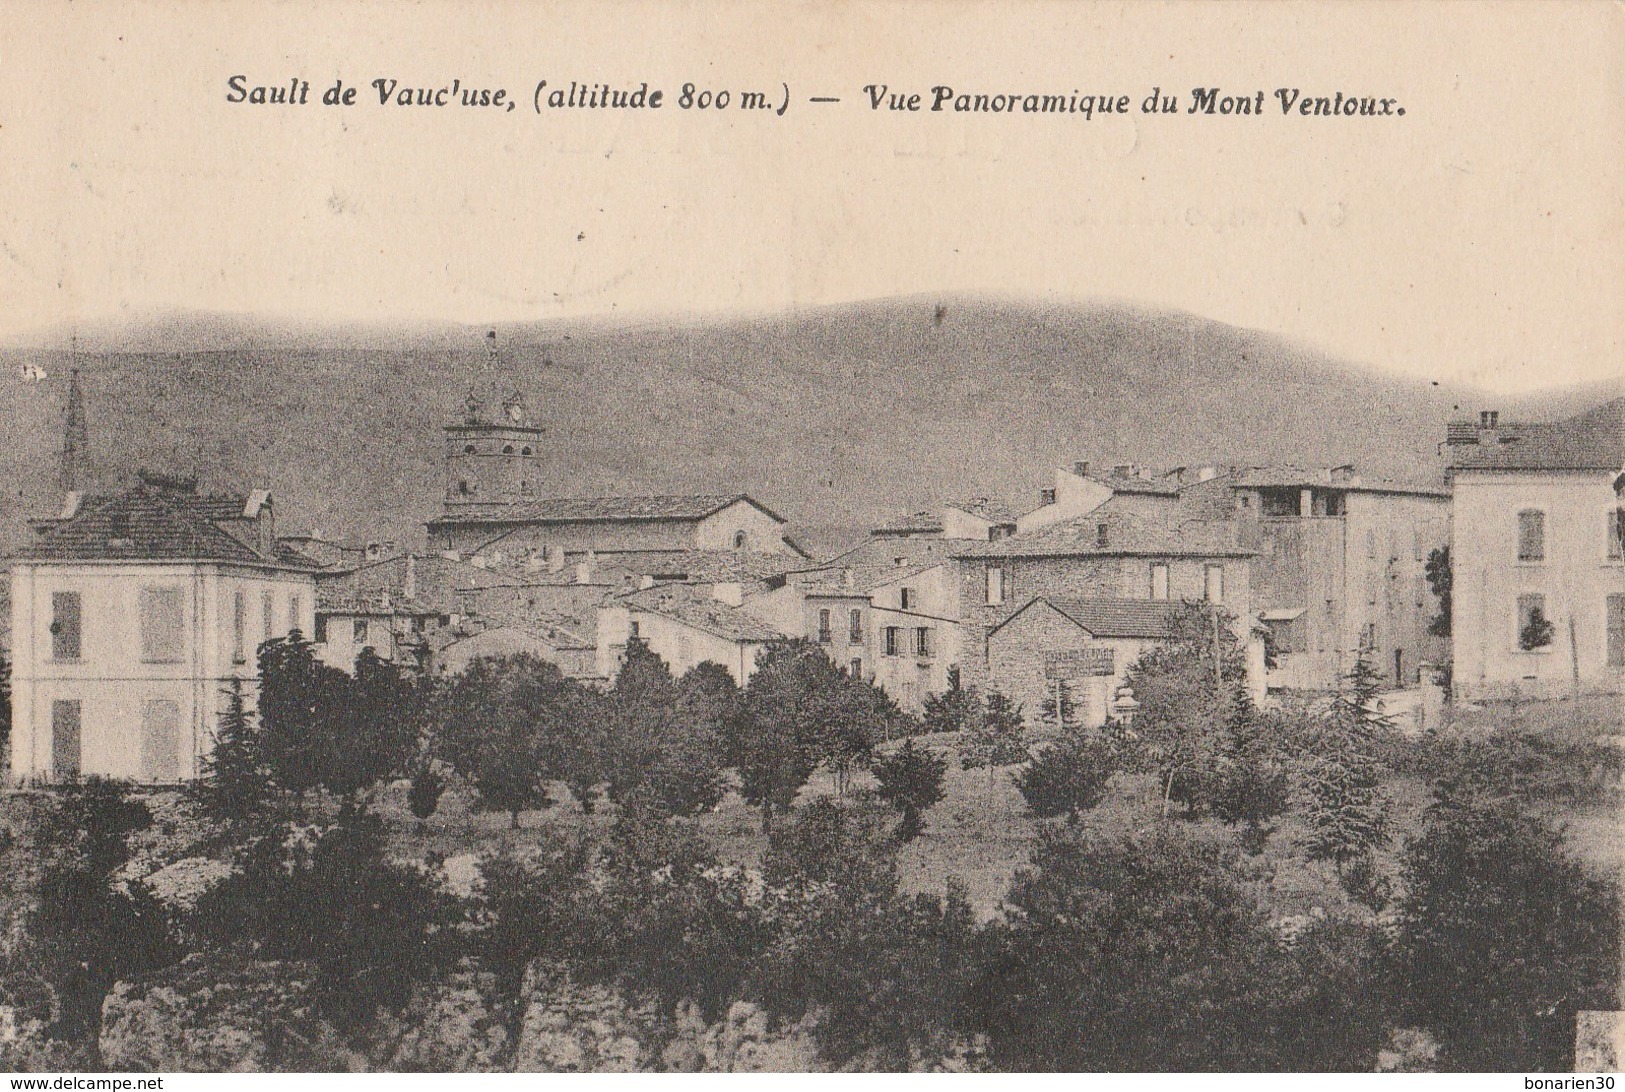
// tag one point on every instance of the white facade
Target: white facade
(120, 668)
(1574, 575)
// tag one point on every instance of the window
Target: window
(161, 740)
(823, 627)
(362, 631)
(295, 606)
(857, 669)
(507, 449)
(891, 640)
(1102, 534)
(462, 488)
(1616, 631)
(922, 641)
(1616, 535)
(160, 622)
(905, 598)
(739, 540)
(524, 451)
(854, 633)
(1283, 636)
(1535, 630)
(65, 625)
(469, 450)
(524, 489)
(321, 629)
(267, 616)
(995, 586)
(65, 720)
(239, 622)
(1159, 580)
(632, 629)
(1213, 583)
(1531, 535)
(1368, 636)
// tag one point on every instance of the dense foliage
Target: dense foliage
(910, 780)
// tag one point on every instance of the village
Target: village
(1501, 577)
(1292, 738)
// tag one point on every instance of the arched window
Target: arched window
(463, 487)
(469, 450)
(524, 451)
(507, 449)
(739, 540)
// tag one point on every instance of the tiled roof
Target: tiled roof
(875, 562)
(1297, 477)
(1146, 618)
(986, 508)
(147, 524)
(604, 509)
(1591, 441)
(918, 523)
(693, 605)
(1135, 485)
(1128, 533)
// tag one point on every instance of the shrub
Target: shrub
(1069, 776)
(1502, 938)
(910, 781)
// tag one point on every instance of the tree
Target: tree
(1192, 691)
(1070, 775)
(1503, 936)
(499, 730)
(372, 927)
(1339, 779)
(5, 706)
(236, 781)
(887, 974)
(665, 741)
(993, 735)
(1439, 578)
(799, 712)
(303, 706)
(956, 709)
(1146, 952)
(910, 781)
(386, 718)
(424, 791)
(1537, 632)
(1252, 784)
(87, 931)
(1058, 707)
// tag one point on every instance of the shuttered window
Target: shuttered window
(65, 625)
(1531, 535)
(162, 630)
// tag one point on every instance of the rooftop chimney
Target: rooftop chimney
(1046, 496)
(1487, 418)
(1081, 469)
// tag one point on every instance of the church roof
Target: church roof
(676, 507)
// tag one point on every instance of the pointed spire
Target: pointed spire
(75, 433)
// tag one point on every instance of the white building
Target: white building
(1538, 569)
(131, 616)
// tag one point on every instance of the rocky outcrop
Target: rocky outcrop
(219, 1014)
(456, 1026)
(568, 1027)
(746, 1041)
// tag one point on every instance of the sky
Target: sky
(1479, 238)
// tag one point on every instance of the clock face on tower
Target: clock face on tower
(516, 413)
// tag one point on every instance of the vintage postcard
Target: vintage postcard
(986, 536)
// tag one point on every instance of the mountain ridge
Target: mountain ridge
(836, 416)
